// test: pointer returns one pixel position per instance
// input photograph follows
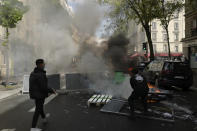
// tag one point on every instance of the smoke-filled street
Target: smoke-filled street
(100, 65)
(70, 112)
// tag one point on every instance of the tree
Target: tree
(166, 13)
(142, 11)
(11, 12)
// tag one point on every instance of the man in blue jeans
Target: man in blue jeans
(38, 90)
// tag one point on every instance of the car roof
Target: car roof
(169, 61)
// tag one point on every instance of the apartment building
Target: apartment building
(176, 33)
(159, 36)
(190, 40)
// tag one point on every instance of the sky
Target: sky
(73, 5)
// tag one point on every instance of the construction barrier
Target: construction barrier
(53, 82)
(76, 81)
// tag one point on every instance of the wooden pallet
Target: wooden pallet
(99, 100)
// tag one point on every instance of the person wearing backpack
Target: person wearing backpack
(140, 90)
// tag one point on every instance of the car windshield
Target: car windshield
(155, 66)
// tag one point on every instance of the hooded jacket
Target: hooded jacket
(139, 84)
(38, 87)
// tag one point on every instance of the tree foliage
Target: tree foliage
(142, 11)
(11, 11)
(168, 9)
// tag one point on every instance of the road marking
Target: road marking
(50, 98)
(8, 129)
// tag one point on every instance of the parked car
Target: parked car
(170, 73)
(142, 65)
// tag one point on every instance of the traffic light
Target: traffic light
(144, 46)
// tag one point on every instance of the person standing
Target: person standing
(140, 90)
(38, 91)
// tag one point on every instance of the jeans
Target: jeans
(38, 111)
(134, 97)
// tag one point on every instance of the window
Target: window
(176, 48)
(176, 26)
(176, 15)
(194, 27)
(164, 37)
(176, 37)
(193, 56)
(154, 36)
(167, 67)
(165, 48)
(194, 24)
(4, 59)
(154, 25)
(155, 48)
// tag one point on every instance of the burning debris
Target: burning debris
(156, 94)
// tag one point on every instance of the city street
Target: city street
(107, 65)
(70, 113)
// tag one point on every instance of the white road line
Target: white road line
(50, 98)
(8, 129)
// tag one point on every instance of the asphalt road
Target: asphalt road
(70, 113)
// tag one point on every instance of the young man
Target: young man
(140, 90)
(38, 90)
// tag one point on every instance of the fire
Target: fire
(151, 101)
(154, 90)
(150, 86)
(154, 87)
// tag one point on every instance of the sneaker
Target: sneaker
(35, 129)
(47, 115)
(45, 119)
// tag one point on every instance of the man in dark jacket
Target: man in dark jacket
(38, 90)
(140, 90)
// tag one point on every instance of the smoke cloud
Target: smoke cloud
(117, 52)
(67, 43)
(47, 32)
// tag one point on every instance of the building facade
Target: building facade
(176, 33)
(2, 53)
(159, 36)
(190, 40)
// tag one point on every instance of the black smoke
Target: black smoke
(117, 52)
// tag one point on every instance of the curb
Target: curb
(6, 94)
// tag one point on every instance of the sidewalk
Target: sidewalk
(6, 93)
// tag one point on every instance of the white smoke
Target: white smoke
(110, 87)
(46, 32)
